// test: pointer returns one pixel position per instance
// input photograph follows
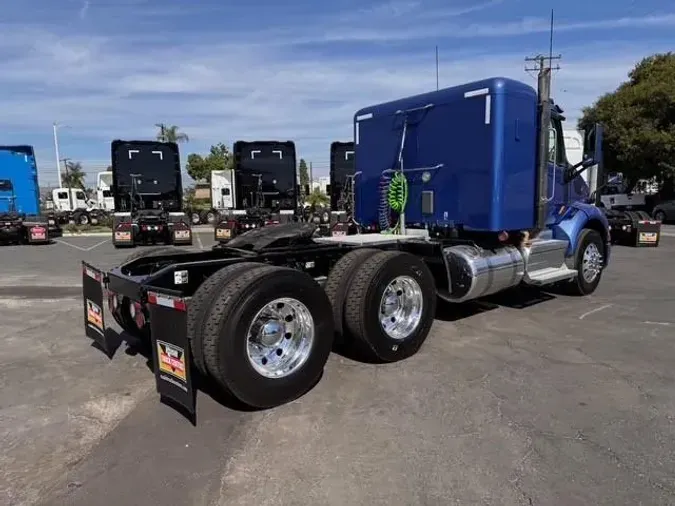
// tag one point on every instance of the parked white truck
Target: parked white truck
(104, 196)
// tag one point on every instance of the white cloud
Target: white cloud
(224, 89)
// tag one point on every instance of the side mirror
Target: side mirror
(593, 135)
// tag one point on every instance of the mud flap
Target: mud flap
(94, 319)
(648, 233)
(171, 350)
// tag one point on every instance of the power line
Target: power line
(544, 63)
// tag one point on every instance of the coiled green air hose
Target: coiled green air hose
(397, 196)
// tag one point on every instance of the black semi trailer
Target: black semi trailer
(148, 192)
(265, 188)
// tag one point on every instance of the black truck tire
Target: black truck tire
(211, 217)
(201, 303)
(234, 310)
(634, 217)
(386, 271)
(338, 281)
(588, 238)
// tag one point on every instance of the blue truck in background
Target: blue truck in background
(21, 221)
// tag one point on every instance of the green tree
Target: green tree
(303, 172)
(74, 175)
(219, 158)
(317, 198)
(639, 121)
(170, 133)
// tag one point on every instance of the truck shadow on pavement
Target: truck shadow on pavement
(514, 298)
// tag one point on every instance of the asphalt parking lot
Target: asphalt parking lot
(528, 398)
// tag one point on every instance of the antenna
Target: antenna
(540, 60)
(550, 40)
(436, 67)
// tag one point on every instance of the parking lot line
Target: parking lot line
(80, 247)
(588, 313)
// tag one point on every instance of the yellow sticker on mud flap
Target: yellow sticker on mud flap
(171, 359)
(94, 315)
(648, 236)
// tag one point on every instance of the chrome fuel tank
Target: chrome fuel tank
(475, 272)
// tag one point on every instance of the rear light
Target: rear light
(136, 312)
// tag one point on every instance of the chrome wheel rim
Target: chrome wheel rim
(401, 307)
(279, 340)
(591, 263)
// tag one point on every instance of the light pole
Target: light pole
(55, 126)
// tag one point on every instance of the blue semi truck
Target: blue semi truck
(459, 193)
(21, 221)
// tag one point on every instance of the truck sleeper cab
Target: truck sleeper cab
(147, 189)
(264, 189)
(21, 221)
(260, 314)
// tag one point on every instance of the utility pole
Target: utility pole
(311, 179)
(70, 196)
(162, 130)
(543, 67)
(56, 150)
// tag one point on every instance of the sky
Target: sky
(298, 69)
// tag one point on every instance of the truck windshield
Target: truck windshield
(6, 185)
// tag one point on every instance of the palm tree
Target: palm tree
(170, 133)
(317, 198)
(74, 176)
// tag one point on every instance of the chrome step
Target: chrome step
(543, 256)
(550, 275)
